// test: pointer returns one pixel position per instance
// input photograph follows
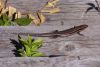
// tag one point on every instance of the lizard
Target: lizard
(56, 33)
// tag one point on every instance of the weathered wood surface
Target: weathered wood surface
(72, 11)
(81, 51)
(77, 48)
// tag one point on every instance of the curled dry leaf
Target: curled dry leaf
(18, 15)
(40, 18)
(1, 7)
(51, 3)
(36, 22)
(51, 10)
(11, 10)
(31, 16)
(2, 11)
(1, 4)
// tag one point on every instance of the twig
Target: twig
(98, 6)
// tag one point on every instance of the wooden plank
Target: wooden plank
(50, 44)
(72, 12)
(77, 48)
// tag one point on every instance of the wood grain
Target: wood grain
(72, 14)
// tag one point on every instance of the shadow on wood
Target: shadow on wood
(18, 46)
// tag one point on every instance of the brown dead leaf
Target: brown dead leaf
(31, 16)
(18, 15)
(36, 22)
(11, 10)
(39, 19)
(51, 10)
(1, 4)
(51, 3)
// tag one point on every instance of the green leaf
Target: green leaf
(28, 50)
(7, 23)
(21, 52)
(23, 42)
(5, 20)
(30, 47)
(23, 21)
(2, 22)
(29, 40)
(38, 54)
(37, 44)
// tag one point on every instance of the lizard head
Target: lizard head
(81, 27)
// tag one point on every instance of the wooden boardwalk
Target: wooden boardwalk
(72, 14)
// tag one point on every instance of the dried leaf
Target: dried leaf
(53, 10)
(18, 15)
(3, 11)
(11, 10)
(1, 4)
(31, 16)
(52, 3)
(40, 18)
(36, 22)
